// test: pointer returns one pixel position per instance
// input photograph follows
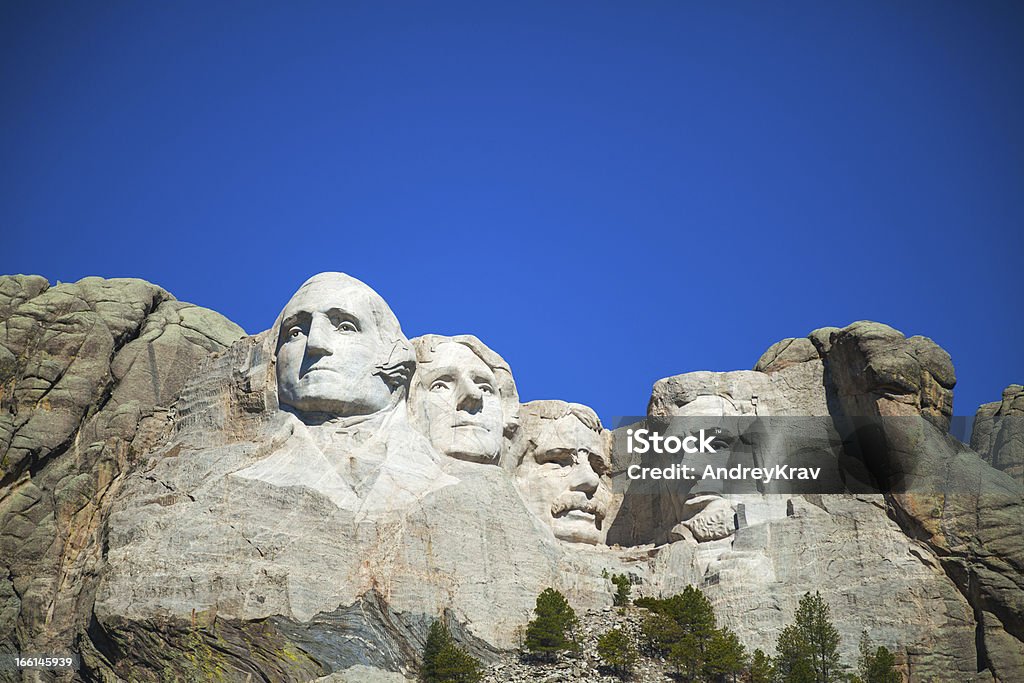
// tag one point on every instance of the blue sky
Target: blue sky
(605, 193)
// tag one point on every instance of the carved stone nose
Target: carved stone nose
(584, 478)
(471, 399)
(318, 342)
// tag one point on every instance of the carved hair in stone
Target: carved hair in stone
(340, 350)
(463, 398)
(563, 473)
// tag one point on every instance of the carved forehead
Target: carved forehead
(430, 344)
(567, 432)
(337, 290)
(707, 405)
(449, 355)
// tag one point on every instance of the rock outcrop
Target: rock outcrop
(998, 433)
(88, 372)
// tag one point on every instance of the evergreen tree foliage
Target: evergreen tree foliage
(808, 650)
(792, 657)
(687, 656)
(660, 633)
(444, 661)
(550, 632)
(726, 656)
(882, 668)
(691, 610)
(616, 650)
(681, 627)
(622, 590)
(878, 666)
(761, 668)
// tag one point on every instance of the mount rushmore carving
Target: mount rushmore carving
(298, 502)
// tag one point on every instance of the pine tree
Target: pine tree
(883, 668)
(792, 657)
(550, 631)
(687, 656)
(761, 668)
(808, 651)
(726, 656)
(878, 666)
(660, 633)
(444, 661)
(617, 651)
(693, 612)
(681, 626)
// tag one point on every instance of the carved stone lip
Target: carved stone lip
(319, 368)
(589, 512)
(468, 423)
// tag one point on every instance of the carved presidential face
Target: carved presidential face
(330, 347)
(563, 479)
(458, 396)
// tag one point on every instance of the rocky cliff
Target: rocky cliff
(174, 505)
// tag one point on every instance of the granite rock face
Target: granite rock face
(180, 501)
(88, 372)
(998, 434)
(892, 398)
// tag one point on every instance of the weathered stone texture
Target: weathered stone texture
(970, 515)
(87, 371)
(998, 433)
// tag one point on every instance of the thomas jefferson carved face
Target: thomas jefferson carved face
(335, 340)
(457, 394)
(562, 476)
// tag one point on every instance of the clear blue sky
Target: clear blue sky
(605, 193)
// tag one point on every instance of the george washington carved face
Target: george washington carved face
(340, 350)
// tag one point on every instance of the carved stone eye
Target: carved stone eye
(439, 385)
(347, 326)
(294, 332)
(559, 457)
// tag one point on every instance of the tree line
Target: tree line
(681, 630)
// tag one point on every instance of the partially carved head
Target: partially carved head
(563, 474)
(463, 397)
(340, 349)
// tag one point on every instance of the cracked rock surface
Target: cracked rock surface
(88, 371)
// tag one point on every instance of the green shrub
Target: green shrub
(622, 590)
